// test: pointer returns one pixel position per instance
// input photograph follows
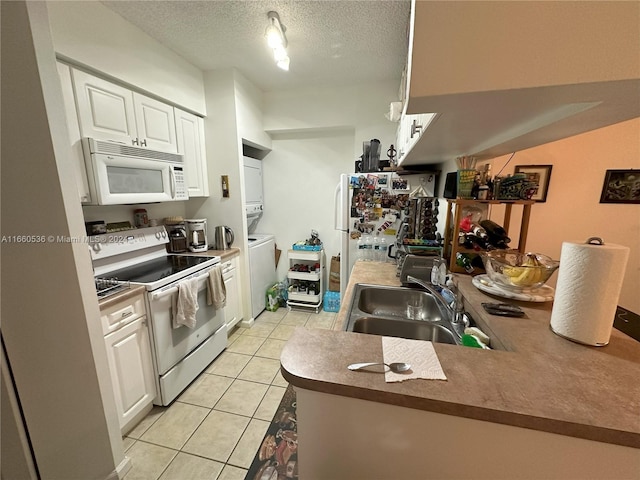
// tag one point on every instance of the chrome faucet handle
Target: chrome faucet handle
(437, 295)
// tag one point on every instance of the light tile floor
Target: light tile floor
(214, 428)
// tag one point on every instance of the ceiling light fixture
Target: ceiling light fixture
(277, 41)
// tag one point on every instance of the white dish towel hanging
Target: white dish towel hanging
(186, 304)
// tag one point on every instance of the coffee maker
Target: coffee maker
(177, 238)
(197, 234)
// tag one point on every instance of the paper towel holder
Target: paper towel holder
(597, 335)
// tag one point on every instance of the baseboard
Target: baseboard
(121, 470)
(247, 323)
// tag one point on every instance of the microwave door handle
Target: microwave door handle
(172, 174)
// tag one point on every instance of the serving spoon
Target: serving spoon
(396, 367)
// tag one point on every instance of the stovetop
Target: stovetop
(152, 271)
(105, 287)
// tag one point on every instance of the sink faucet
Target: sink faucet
(454, 307)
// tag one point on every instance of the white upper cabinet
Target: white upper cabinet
(156, 124)
(505, 76)
(105, 109)
(75, 138)
(190, 136)
(111, 112)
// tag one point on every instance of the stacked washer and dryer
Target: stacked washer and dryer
(262, 264)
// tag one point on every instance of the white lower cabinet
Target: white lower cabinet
(129, 356)
(233, 307)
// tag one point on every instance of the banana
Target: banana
(532, 272)
(513, 272)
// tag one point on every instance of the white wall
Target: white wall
(89, 34)
(317, 135)
(124, 213)
(249, 107)
(346, 438)
(572, 212)
(300, 176)
(359, 107)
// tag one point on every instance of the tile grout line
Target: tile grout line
(239, 333)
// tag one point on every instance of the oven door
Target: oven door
(173, 344)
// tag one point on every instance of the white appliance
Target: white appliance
(353, 211)
(253, 191)
(262, 269)
(119, 174)
(197, 234)
(139, 257)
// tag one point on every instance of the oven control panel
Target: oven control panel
(116, 243)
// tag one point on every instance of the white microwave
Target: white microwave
(119, 174)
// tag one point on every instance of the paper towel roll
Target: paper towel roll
(589, 281)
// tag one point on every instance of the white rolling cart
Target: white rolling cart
(306, 278)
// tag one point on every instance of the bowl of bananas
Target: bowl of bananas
(518, 271)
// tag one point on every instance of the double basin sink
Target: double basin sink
(400, 312)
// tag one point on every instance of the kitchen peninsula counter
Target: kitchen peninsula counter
(534, 379)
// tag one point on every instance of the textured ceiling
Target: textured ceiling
(330, 42)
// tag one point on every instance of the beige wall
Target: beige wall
(573, 212)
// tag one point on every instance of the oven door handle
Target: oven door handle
(202, 281)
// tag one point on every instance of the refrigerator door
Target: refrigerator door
(347, 225)
(341, 224)
(341, 212)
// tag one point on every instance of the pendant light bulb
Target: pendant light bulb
(274, 39)
(277, 40)
(283, 63)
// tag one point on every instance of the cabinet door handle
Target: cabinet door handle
(126, 314)
(415, 128)
(134, 141)
(143, 143)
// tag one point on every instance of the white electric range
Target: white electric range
(139, 257)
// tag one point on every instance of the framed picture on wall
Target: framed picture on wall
(541, 174)
(621, 186)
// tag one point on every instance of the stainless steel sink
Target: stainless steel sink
(399, 312)
(398, 302)
(397, 327)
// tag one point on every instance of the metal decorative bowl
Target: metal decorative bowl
(518, 271)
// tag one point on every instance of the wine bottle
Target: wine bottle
(463, 261)
(492, 228)
(475, 242)
(497, 236)
(478, 231)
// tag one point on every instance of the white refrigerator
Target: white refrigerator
(371, 204)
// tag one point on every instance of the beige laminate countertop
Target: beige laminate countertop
(121, 296)
(223, 254)
(535, 379)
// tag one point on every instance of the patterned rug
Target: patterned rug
(277, 458)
